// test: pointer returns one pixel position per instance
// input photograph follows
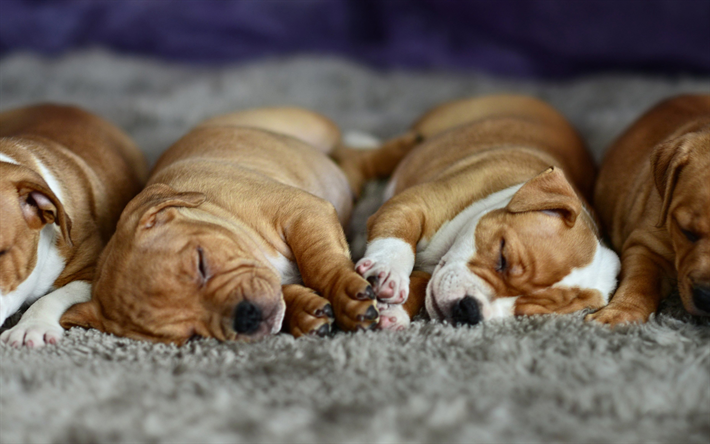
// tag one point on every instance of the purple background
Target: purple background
(525, 38)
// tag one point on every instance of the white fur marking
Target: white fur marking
(288, 269)
(47, 269)
(8, 159)
(360, 139)
(40, 323)
(394, 259)
(599, 275)
(503, 307)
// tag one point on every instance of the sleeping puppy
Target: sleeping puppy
(653, 195)
(238, 232)
(65, 177)
(488, 217)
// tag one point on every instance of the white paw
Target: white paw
(392, 317)
(390, 285)
(33, 334)
(387, 265)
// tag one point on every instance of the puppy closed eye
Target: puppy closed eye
(202, 265)
(691, 236)
(502, 262)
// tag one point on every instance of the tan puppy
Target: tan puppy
(65, 177)
(483, 207)
(653, 195)
(240, 223)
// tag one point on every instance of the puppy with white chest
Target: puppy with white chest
(66, 176)
(486, 218)
(238, 233)
(653, 195)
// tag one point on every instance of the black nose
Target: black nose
(466, 311)
(247, 318)
(701, 298)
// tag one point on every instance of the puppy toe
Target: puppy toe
(612, 315)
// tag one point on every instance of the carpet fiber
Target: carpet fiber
(540, 379)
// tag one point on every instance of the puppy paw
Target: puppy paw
(387, 265)
(307, 313)
(33, 334)
(618, 314)
(354, 304)
(392, 317)
(390, 285)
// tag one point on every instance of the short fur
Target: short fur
(245, 207)
(514, 147)
(66, 176)
(653, 196)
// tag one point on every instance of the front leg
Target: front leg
(639, 293)
(306, 312)
(316, 239)
(40, 323)
(393, 233)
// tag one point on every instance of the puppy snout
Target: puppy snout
(247, 318)
(701, 297)
(466, 312)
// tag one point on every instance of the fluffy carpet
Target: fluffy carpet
(541, 379)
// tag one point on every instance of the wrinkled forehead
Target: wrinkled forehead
(539, 235)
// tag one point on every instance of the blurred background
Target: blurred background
(516, 38)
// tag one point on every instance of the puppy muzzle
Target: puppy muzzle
(457, 295)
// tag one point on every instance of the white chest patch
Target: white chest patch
(455, 237)
(286, 268)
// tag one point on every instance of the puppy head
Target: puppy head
(28, 206)
(681, 169)
(539, 246)
(172, 271)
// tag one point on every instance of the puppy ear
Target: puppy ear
(549, 191)
(41, 206)
(156, 198)
(84, 314)
(667, 161)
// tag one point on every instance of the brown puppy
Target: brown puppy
(240, 223)
(485, 221)
(66, 176)
(653, 195)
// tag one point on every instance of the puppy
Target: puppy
(488, 217)
(653, 195)
(65, 177)
(238, 232)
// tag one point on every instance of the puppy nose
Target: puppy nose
(466, 311)
(247, 318)
(701, 298)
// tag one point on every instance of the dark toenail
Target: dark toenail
(372, 280)
(371, 313)
(323, 331)
(418, 138)
(372, 326)
(365, 295)
(370, 292)
(328, 311)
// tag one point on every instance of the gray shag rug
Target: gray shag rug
(540, 379)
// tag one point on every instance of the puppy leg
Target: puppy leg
(639, 293)
(306, 312)
(361, 165)
(398, 316)
(316, 239)
(40, 323)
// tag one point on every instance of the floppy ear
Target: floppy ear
(548, 191)
(667, 160)
(158, 197)
(85, 314)
(41, 206)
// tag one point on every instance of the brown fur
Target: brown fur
(234, 190)
(98, 168)
(655, 182)
(472, 148)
